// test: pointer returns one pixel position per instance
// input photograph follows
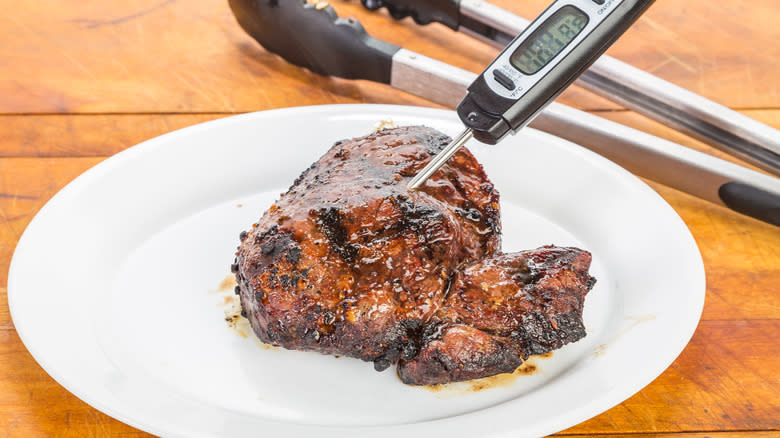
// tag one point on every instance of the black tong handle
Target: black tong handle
(446, 12)
(313, 36)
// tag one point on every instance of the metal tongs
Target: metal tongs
(312, 35)
(617, 81)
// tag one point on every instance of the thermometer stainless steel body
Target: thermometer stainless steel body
(535, 68)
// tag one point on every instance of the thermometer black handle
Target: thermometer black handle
(492, 116)
(313, 36)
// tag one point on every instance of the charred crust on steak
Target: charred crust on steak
(330, 222)
(382, 363)
(414, 217)
(349, 262)
(434, 142)
(301, 177)
(294, 254)
(539, 333)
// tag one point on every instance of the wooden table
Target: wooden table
(80, 81)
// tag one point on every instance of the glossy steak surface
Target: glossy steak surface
(350, 262)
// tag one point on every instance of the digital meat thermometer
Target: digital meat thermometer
(535, 68)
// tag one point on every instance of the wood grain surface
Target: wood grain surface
(81, 81)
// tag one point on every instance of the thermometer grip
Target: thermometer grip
(314, 37)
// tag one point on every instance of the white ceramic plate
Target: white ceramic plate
(115, 287)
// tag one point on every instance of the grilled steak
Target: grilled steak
(350, 262)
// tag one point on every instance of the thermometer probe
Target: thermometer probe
(535, 68)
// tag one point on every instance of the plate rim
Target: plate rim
(604, 402)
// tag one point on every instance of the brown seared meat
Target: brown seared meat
(501, 310)
(350, 262)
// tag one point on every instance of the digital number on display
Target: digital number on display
(549, 39)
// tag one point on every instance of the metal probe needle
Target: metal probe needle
(440, 159)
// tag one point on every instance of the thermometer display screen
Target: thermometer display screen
(549, 39)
